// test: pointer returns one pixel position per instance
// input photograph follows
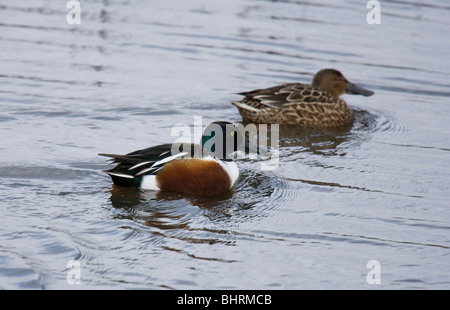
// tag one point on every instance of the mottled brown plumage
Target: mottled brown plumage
(308, 105)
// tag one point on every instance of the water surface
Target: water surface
(119, 81)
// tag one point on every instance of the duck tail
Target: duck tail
(242, 106)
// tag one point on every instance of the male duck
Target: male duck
(199, 170)
(308, 105)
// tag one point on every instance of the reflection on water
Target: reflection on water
(325, 141)
(139, 203)
(375, 190)
(175, 216)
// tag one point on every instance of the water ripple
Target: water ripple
(376, 189)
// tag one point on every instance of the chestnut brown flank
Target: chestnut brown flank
(193, 176)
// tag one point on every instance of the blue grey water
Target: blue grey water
(120, 80)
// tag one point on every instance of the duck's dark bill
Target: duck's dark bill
(358, 90)
(255, 148)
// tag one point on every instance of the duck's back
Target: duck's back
(294, 104)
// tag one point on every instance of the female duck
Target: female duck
(199, 170)
(308, 105)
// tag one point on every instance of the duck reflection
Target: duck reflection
(171, 210)
(128, 198)
(321, 141)
(164, 210)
